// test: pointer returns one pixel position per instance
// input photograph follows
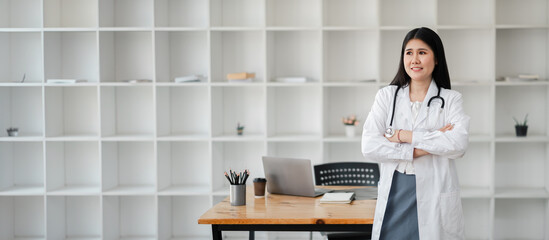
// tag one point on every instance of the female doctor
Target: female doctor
(416, 129)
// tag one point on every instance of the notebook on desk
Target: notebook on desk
(338, 197)
(290, 176)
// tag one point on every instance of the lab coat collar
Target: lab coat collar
(433, 90)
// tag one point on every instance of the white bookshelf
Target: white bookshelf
(111, 159)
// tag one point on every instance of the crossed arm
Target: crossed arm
(406, 137)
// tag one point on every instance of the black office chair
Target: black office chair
(347, 174)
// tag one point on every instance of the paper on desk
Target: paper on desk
(367, 193)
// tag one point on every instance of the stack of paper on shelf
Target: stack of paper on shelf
(64, 80)
(338, 197)
(189, 78)
(292, 79)
(138, 81)
(522, 77)
(240, 77)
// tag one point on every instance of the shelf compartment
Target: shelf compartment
(510, 215)
(21, 168)
(21, 57)
(521, 51)
(304, 150)
(465, 13)
(128, 168)
(291, 110)
(478, 101)
(74, 217)
(184, 168)
(398, 13)
(237, 156)
(72, 111)
(22, 218)
(20, 13)
(350, 56)
(21, 107)
(126, 56)
(237, 13)
(126, 13)
(478, 218)
(183, 112)
(474, 42)
(71, 55)
(472, 167)
(73, 168)
(181, 54)
(129, 217)
(294, 54)
(517, 101)
(516, 12)
(390, 46)
(237, 51)
(342, 102)
(177, 217)
(343, 152)
(520, 167)
(290, 13)
(127, 112)
(350, 13)
(181, 13)
(70, 13)
(234, 105)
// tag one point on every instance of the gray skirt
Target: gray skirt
(400, 220)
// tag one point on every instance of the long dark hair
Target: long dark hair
(440, 72)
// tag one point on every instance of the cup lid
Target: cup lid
(260, 180)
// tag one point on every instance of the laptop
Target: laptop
(290, 176)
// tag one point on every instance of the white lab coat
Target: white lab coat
(440, 214)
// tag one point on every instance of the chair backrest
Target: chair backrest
(347, 173)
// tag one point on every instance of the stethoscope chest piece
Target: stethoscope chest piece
(389, 132)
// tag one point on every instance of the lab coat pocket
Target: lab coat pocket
(451, 215)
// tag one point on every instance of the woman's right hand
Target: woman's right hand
(447, 127)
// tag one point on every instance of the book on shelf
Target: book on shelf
(64, 80)
(338, 197)
(240, 76)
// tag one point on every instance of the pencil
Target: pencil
(227, 176)
(247, 172)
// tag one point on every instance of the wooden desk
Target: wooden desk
(289, 213)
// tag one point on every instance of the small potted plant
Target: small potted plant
(13, 132)
(350, 125)
(239, 129)
(521, 128)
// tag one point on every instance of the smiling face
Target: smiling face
(419, 60)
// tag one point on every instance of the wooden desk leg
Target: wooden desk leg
(252, 235)
(216, 233)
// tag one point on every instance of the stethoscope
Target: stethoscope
(390, 132)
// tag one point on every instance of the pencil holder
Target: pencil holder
(238, 195)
